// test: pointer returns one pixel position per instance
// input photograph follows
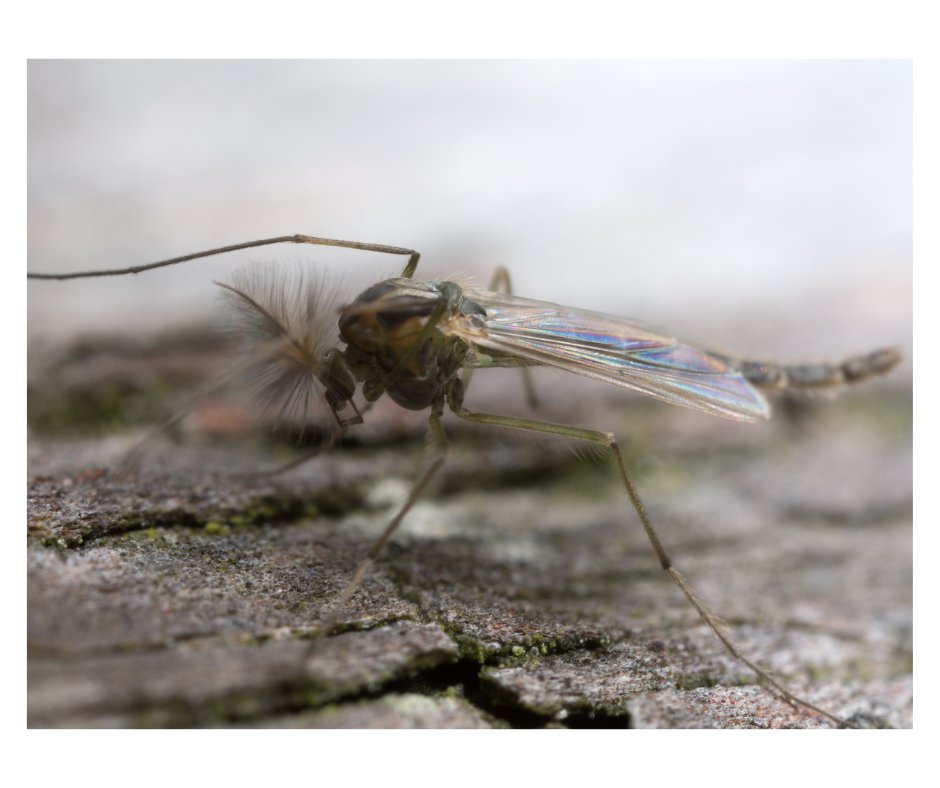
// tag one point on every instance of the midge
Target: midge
(410, 340)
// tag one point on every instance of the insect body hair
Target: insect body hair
(283, 322)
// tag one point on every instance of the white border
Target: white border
(420, 28)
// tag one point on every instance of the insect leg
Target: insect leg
(501, 283)
(609, 440)
(441, 445)
(407, 273)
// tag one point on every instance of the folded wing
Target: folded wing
(614, 350)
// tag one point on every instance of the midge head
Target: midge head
(286, 327)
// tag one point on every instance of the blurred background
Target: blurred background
(761, 207)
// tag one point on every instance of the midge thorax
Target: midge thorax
(396, 346)
(418, 342)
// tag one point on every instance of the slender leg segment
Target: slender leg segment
(441, 446)
(407, 273)
(501, 283)
(608, 439)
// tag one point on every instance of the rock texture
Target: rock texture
(520, 591)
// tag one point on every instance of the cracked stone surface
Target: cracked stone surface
(520, 591)
(394, 710)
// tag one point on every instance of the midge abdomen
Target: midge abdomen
(820, 376)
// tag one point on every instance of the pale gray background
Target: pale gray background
(763, 207)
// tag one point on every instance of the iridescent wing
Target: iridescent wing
(611, 349)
